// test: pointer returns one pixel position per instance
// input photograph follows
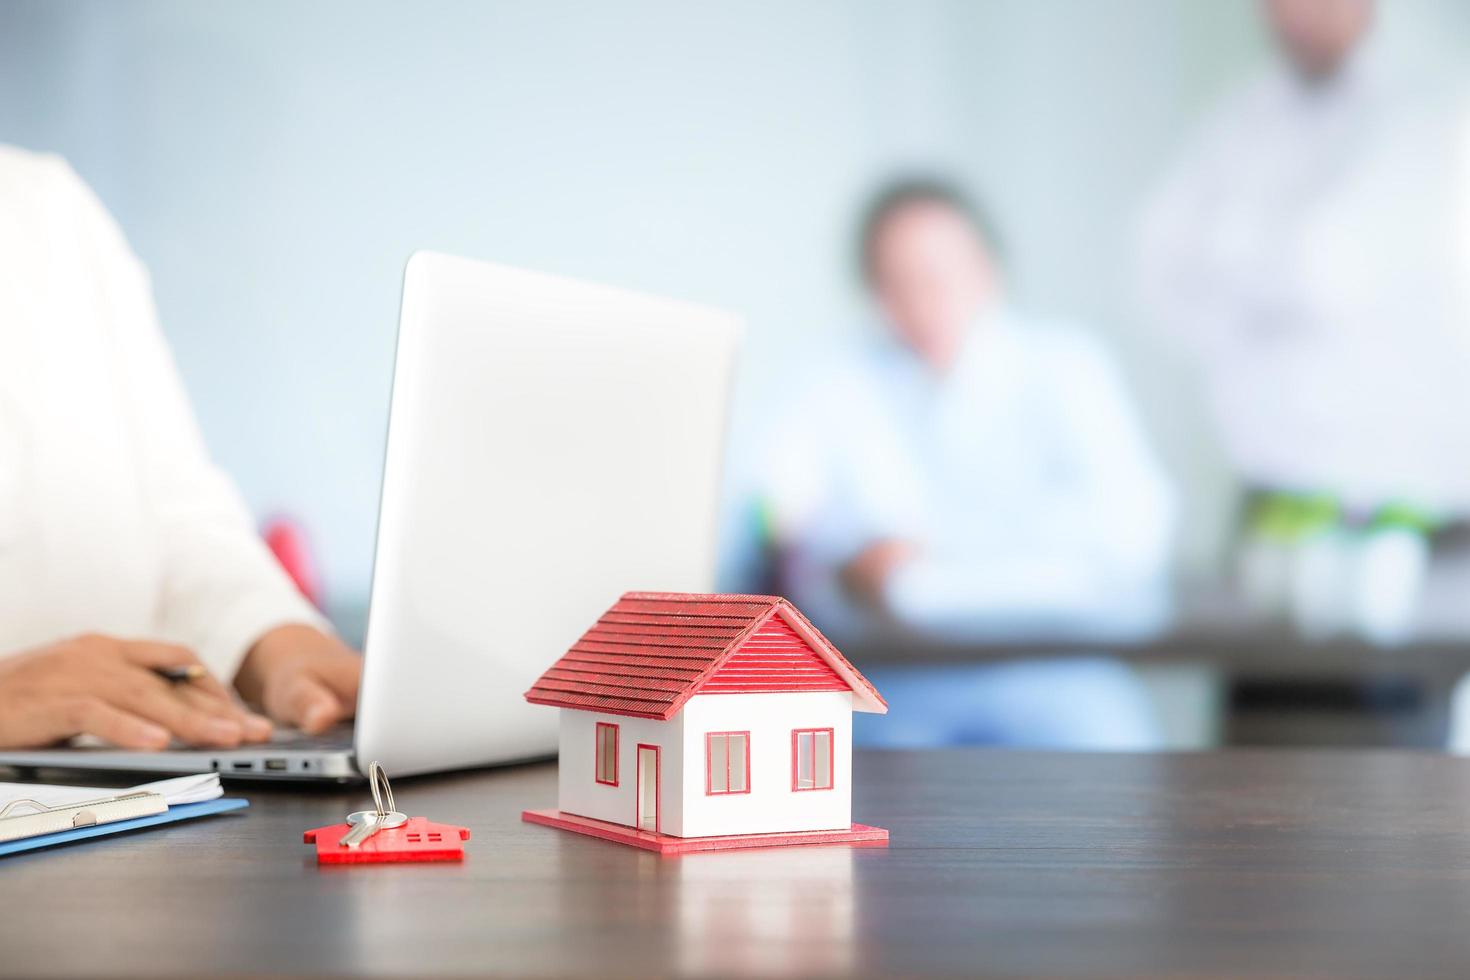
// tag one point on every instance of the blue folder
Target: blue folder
(183, 811)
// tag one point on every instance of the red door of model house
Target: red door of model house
(648, 757)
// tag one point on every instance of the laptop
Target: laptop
(551, 445)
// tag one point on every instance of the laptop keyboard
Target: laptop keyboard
(336, 737)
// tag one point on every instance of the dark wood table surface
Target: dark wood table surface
(1230, 864)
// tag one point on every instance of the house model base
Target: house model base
(859, 834)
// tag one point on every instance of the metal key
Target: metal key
(365, 823)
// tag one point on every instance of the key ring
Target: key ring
(376, 775)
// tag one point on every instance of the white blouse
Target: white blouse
(112, 517)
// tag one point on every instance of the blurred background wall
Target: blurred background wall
(274, 163)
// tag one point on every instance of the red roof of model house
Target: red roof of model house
(652, 651)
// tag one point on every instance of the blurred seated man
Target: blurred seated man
(973, 474)
(122, 548)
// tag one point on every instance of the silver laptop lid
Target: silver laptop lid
(551, 445)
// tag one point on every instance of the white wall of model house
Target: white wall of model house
(578, 790)
(771, 805)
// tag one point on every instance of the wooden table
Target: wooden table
(1281, 689)
(1235, 864)
(1257, 650)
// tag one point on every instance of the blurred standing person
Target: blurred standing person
(1309, 249)
(972, 474)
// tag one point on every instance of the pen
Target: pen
(188, 672)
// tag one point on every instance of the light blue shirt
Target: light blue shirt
(1022, 474)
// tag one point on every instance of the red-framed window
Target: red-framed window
(726, 763)
(812, 761)
(607, 753)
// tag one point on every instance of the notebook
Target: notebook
(188, 797)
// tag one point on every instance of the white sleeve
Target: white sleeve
(1177, 280)
(815, 523)
(221, 588)
(1098, 558)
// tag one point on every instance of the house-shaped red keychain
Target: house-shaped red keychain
(383, 834)
(417, 840)
(695, 722)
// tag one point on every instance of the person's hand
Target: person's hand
(102, 686)
(302, 677)
(865, 576)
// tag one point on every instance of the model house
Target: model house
(701, 716)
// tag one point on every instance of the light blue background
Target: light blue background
(275, 162)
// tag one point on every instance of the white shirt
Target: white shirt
(1022, 474)
(1310, 248)
(112, 518)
